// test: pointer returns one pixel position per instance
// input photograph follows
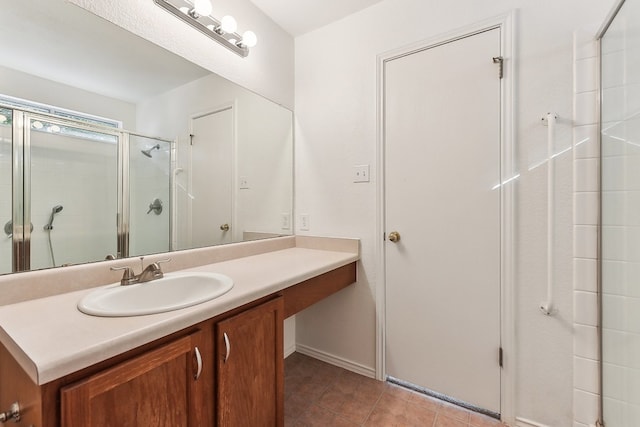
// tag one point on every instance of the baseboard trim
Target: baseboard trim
(289, 350)
(336, 361)
(523, 422)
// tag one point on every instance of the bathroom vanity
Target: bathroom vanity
(217, 363)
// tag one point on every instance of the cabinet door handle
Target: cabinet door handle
(198, 362)
(227, 345)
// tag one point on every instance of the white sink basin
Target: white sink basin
(174, 291)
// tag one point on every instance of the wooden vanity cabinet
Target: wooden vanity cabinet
(157, 388)
(250, 367)
(241, 382)
(171, 385)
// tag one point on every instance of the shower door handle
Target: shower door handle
(224, 227)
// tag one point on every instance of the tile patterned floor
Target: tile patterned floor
(319, 394)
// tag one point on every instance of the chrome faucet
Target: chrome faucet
(151, 272)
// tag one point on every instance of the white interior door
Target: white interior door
(212, 160)
(442, 170)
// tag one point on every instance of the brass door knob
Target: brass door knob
(224, 227)
(394, 236)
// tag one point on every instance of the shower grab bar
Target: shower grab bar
(551, 118)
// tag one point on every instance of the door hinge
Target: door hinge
(500, 61)
(500, 356)
(191, 138)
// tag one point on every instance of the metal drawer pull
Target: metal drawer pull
(227, 345)
(198, 362)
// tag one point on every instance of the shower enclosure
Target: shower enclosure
(75, 189)
(620, 217)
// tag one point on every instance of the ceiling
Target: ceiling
(298, 17)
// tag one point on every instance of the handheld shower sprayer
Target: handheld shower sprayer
(48, 227)
(148, 151)
(56, 209)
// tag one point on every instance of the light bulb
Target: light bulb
(37, 125)
(249, 39)
(54, 128)
(202, 7)
(228, 24)
(3, 118)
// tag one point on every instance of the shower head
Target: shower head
(148, 151)
(56, 209)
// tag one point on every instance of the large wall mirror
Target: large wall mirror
(111, 145)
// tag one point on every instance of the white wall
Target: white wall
(267, 70)
(336, 129)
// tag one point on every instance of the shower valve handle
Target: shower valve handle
(155, 206)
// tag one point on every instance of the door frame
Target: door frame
(508, 178)
(231, 105)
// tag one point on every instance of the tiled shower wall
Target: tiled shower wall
(586, 210)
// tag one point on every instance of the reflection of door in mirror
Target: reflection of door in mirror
(149, 180)
(5, 189)
(212, 148)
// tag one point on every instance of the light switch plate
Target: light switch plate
(286, 221)
(361, 173)
(304, 222)
(244, 183)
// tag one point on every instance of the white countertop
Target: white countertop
(50, 338)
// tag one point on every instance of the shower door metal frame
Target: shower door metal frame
(21, 177)
(124, 203)
(21, 206)
(600, 422)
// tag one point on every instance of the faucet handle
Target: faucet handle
(156, 266)
(128, 277)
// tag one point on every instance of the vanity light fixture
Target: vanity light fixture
(197, 13)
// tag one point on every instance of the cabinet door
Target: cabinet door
(153, 389)
(250, 367)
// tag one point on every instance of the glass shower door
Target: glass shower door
(620, 248)
(72, 191)
(150, 196)
(5, 190)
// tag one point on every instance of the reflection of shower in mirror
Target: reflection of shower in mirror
(56, 209)
(148, 151)
(48, 227)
